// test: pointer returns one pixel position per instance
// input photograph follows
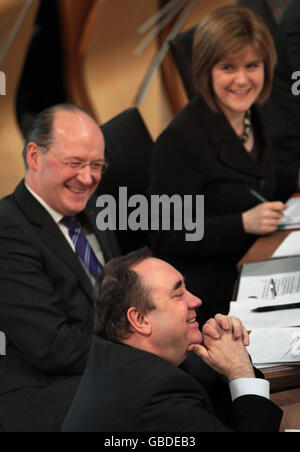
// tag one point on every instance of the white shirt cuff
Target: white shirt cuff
(249, 386)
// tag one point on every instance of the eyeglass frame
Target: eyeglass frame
(79, 165)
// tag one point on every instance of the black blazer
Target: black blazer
(136, 391)
(284, 117)
(199, 154)
(46, 312)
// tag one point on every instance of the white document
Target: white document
(252, 287)
(291, 218)
(275, 346)
(271, 319)
(268, 279)
(290, 246)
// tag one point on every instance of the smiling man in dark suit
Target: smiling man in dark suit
(50, 255)
(145, 323)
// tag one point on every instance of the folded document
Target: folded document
(280, 346)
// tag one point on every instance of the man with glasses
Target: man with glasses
(50, 254)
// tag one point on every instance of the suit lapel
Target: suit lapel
(229, 148)
(51, 235)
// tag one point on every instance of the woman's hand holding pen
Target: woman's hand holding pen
(264, 218)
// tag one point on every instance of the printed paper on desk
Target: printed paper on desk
(270, 278)
(275, 346)
(290, 246)
(271, 319)
(260, 287)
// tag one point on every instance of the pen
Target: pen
(257, 195)
(279, 307)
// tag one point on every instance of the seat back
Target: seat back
(262, 8)
(182, 52)
(129, 152)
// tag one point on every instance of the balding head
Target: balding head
(41, 131)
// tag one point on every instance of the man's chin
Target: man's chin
(196, 341)
(72, 211)
(75, 207)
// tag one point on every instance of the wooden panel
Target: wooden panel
(113, 73)
(77, 20)
(283, 378)
(12, 168)
(290, 403)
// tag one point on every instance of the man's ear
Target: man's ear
(32, 156)
(139, 321)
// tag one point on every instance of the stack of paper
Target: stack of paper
(268, 304)
(275, 334)
(269, 279)
(275, 346)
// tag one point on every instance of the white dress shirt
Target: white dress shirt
(249, 386)
(57, 217)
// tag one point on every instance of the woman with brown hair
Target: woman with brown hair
(218, 146)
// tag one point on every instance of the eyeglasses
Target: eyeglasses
(76, 166)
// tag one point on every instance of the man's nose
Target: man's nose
(85, 176)
(194, 302)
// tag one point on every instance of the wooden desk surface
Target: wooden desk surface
(264, 247)
(283, 378)
(289, 401)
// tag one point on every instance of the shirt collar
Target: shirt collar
(55, 215)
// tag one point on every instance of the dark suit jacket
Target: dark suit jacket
(136, 391)
(284, 114)
(199, 154)
(46, 312)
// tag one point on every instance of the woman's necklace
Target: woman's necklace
(247, 127)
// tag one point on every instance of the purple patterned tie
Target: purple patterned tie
(82, 246)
